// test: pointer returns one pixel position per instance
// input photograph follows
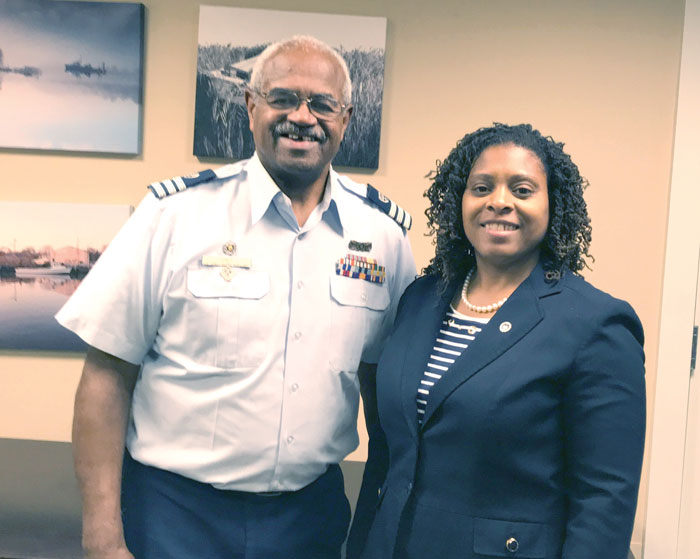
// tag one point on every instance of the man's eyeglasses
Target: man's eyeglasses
(321, 106)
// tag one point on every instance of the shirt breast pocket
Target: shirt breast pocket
(357, 311)
(234, 309)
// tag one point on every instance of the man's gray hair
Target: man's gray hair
(304, 43)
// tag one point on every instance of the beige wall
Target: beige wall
(599, 75)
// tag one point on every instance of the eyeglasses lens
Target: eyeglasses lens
(319, 105)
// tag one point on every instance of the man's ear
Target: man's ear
(346, 117)
(250, 105)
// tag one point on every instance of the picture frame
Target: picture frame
(230, 39)
(71, 75)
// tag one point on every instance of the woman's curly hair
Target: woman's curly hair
(568, 236)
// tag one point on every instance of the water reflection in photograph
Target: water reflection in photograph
(46, 249)
(27, 306)
(71, 75)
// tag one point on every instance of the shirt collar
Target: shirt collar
(263, 189)
(339, 196)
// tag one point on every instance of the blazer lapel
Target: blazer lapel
(509, 325)
(427, 322)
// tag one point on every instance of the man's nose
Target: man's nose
(302, 114)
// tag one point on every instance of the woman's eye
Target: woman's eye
(523, 190)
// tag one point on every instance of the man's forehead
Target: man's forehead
(303, 63)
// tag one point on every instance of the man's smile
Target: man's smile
(298, 134)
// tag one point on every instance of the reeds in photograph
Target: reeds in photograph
(221, 119)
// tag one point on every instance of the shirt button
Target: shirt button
(363, 296)
(295, 387)
(300, 284)
(290, 439)
(297, 335)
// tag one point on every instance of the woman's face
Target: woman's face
(505, 207)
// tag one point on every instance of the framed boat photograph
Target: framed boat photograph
(71, 75)
(230, 39)
(46, 249)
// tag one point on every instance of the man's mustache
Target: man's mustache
(314, 133)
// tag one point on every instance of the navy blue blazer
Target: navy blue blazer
(532, 442)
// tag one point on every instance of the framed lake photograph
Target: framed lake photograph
(71, 75)
(230, 39)
(45, 251)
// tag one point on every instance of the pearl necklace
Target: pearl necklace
(476, 308)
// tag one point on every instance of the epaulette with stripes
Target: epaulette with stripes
(394, 211)
(178, 184)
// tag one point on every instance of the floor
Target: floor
(39, 503)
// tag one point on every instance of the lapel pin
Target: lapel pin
(505, 326)
(229, 248)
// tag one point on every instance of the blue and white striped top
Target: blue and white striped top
(456, 333)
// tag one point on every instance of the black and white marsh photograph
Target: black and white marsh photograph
(71, 75)
(230, 39)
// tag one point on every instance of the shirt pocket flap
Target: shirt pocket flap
(503, 538)
(355, 292)
(243, 284)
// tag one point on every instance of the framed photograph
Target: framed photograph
(45, 251)
(230, 39)
(71, 75)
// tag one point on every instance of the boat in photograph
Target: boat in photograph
(53, 269)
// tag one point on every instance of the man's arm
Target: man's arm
(102, 405)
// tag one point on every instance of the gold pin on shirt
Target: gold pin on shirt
(471, 330)
(227, 273)
(228, 264)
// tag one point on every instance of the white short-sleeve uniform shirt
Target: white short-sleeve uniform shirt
(249, 360)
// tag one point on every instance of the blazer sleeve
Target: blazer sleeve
(604, 416)
(368, 499)
(377, 464)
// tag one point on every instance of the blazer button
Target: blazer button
(512, 545)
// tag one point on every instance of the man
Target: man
(227, 322)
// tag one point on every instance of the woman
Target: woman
(511, 392)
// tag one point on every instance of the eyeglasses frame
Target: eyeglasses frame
(300, 100)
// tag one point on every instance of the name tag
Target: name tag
(227, 261)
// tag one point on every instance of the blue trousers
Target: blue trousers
(168, 516)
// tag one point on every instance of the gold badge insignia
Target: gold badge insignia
(227, 273)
